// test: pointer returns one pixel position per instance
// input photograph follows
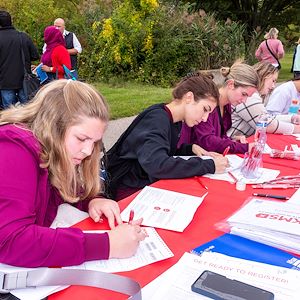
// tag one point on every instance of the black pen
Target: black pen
(271, 196)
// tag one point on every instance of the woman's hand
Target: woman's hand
(200, 151)
(295, 119)
(47, 69)
(125, 238)
(240, 138)
(221, 163)
(106, 207)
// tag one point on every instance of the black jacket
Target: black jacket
(11, 64)
(144, 153)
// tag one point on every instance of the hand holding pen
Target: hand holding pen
(125, 238)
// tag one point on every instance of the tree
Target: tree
(257, 15)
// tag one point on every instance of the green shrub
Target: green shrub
(156, 44)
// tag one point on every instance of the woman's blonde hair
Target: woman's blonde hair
(242, 75)
(57, 106)
(272, 34)
(264, 70)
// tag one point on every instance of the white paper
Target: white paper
(295, 199)
(68, 215)
(163, 209)
(266, 175)
(176, 282)
(151, 250)
(296, 135)
(267, 149)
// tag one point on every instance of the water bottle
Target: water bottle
(252, 164)
(261, 130)
(294, 107)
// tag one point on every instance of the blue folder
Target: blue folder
(236, 246)
(42, 75)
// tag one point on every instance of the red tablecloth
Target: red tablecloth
(222, 200)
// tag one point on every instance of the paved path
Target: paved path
(114, 130)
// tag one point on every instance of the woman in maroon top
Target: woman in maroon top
(56, 54)
(50, 154)
(239, 82)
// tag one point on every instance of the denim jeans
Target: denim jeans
(11, 97)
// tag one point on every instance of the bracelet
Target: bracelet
(51, 69)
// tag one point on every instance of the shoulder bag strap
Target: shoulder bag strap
(49, 277)
(272, 53)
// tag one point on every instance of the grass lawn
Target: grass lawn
(285, 72)
(128, 98)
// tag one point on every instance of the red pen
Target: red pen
(226, 150)
(201, 183)
(233, 177)
(131, 216)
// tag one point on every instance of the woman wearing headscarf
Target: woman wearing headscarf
(56, 54)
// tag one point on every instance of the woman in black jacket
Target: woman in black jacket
(145, 152)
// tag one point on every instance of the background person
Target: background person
(72, 44)
(271, 50)
(240, 82)
(281, 98)
(12, 43)
(296, 61)
(56, 54)
(245, 115)
(50, 154)
(145, 152)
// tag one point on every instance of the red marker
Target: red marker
(226, 150)
(131, 216)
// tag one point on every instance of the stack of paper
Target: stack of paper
(273, 223)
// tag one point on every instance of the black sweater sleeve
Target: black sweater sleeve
(150, 144)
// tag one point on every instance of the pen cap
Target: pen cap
(240, 185)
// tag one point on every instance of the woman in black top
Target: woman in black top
(144, 153)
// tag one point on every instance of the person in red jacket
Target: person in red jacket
(56, 54)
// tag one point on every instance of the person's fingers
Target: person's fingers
(111, 218)
(94, 215)
(137, 222)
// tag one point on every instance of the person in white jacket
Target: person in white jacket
(281, 98)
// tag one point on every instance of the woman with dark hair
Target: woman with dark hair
(239, 82)
(145, 152)
(56, 54)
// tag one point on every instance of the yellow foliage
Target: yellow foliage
(149, 4)
(108, 30)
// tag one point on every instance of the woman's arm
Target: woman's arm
(25, 202)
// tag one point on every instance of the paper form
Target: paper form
(176, 282)
(163, 209)
(266, 175)
(151, 250)
(235, 162)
